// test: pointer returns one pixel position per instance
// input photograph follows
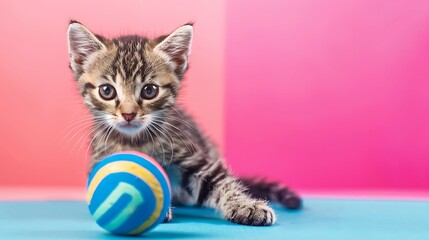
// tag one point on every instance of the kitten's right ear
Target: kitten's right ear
(82, 43)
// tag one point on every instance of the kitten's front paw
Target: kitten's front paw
(169, 217)
(255, 213)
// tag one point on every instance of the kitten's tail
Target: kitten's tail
(263, 189)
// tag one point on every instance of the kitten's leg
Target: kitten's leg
(212, 185)
(231, 199)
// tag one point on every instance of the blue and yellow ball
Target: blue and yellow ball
(128, 193)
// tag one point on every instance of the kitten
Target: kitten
(130, 85)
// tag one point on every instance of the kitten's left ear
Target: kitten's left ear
(82, 43)
(176, 47)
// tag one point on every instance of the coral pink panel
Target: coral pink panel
(329, 94)
(43, 126)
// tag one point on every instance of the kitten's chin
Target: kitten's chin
(129, 128)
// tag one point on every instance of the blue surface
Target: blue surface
(320, 219)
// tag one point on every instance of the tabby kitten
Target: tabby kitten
(130, 85)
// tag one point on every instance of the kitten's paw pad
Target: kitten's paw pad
(169, 217)
(255, 214)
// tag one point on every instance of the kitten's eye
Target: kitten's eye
(107, 92)
(149, 92)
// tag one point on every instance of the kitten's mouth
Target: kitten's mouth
(129, 128)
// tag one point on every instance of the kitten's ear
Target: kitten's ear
(82, 43)
(176, 47)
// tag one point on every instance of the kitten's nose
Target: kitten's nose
(128, 116)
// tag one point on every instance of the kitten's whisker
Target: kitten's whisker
(84, 135)
(100, 129)
(82, 138)
(170, 140)
(103, 136)
(157, 118)
(71, 129)
(157, 137)
(179, 120)
(89, 119)
(108, 135)
(152, 142)
(181, 116)
(179, 135)
(175, 119)
(80, 128)
(82, 119)
(177, 111)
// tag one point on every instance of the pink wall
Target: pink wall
(38, 97)
(329, 94)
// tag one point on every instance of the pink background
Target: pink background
(323, 95)
(329, 94)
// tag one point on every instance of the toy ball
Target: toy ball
(128, 193)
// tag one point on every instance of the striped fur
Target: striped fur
(161, 128)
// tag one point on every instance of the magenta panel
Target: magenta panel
(329, 94)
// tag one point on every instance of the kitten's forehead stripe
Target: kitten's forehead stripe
(130, 59)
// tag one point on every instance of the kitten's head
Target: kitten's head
(127, 81)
